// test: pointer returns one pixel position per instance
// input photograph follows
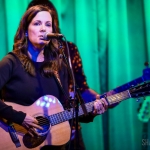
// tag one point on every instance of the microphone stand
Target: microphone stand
(77, 98)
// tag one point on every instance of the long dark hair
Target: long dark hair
(51, 6)
(51, 59)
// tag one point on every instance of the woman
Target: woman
(87, 93)
(34, 69)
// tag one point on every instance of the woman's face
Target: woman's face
(39, 25)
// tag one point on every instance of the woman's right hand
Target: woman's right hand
(30, 123)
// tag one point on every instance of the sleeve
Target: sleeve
(86, 119)
(7, 112)
(11, 115)
(6, 66)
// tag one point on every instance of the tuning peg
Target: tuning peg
(132, 87)
(141, 98)
(138, 99)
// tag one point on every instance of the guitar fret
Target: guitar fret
(68, 114)
(62, 116)
(80, 111)
(65, 115)
(118, 97)
(52, 120)
(89, 106)
(58, 118)
(55, 118)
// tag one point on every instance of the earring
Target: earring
(26, 39)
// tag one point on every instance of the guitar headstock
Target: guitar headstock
(140, 90)
(144, 109)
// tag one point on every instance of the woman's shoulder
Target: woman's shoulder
(10, 58)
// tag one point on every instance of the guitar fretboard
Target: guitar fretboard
(68, 114)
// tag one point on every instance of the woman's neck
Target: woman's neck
(35, 54)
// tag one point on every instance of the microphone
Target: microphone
(48, 36)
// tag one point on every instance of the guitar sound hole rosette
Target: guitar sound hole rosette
(44, 122)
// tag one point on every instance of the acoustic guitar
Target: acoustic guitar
(54, 119)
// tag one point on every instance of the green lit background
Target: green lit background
(113, 38)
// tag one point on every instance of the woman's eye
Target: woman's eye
(48, 25)
(36, 23)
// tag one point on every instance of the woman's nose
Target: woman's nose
(43, 28)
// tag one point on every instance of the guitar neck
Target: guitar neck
(135, 92)
(110, 99)
(68, 114)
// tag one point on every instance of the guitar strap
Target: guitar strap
(56, 76)
(13, 135)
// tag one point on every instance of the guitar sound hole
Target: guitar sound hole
(32, 142)
(44, 123)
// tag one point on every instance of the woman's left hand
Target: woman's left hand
(100, 105)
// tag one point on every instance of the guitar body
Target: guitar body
(52, 117)
(45, 106)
